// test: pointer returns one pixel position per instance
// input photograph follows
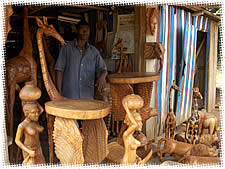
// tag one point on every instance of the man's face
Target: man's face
(84, 32)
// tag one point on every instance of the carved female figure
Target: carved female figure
(133, 119)
(30, 128)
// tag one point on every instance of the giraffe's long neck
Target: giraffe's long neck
(49, 85)
(195, 106)
(170, 102)
(27, 42)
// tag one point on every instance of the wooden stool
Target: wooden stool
(71, 146)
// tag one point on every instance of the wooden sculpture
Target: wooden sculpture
(192, 128)
(19, 69)
(133, 119)
(8, 12)
(151, 21)
(208, 121)
(101, 45)
(171, 118)
(210, 140)
(49, 30)
(154, 50)
(183, 149)
(30, 128)
(172, 147)
(124, 59)
(200, 160)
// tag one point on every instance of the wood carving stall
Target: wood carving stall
(132, 94)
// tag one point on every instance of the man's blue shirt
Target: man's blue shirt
(79, 70)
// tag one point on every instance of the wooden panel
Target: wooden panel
(212, 66)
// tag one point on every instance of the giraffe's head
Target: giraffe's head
(49, 30)
(174, 86)
(118, 45)
(196, 93)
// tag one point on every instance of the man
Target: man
(77, 66)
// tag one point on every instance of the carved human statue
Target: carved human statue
(29, 128)
(133, 119)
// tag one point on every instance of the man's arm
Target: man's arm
(59, 78)
(101, 82)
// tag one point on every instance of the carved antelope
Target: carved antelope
(171, 118)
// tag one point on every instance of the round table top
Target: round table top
(134, 77)
(81, 109)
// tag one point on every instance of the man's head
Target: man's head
(83, 30)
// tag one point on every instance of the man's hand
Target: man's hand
(101, 82)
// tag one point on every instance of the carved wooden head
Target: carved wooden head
(49, 30)
(118, 45)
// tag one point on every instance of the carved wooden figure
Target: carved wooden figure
(208, 121)
(133, 119)
(192, 128)
(154, 50)
(128, 154)
(101, 151)
(151, 21)
(124, 59)
(171, 118)
(19, 69)
(201, 160)
(183, 149)
(30, 128)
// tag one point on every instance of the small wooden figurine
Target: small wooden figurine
(133, 119)
(171, 118)
(30, 128)
(192, 128)
(208, 121)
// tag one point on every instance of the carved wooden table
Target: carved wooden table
(120, 86)
(71, 145)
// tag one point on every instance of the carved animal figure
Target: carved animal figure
(99, 151)
(200, 150)
(184, 149)
(192, 128)
(154, 50)
(124, 60)
(172, 147)
(201, 160)
(208, 121)
(209, 140)
(20, 69)
(171, 118)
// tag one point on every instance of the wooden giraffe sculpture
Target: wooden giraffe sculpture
(19, 69)
(171, 118)
(94, 154)
(192, 128)
(124, 60)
